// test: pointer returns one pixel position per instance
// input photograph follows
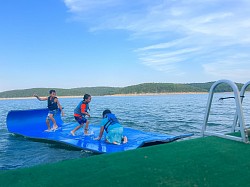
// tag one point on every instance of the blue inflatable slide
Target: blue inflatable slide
(31, 124)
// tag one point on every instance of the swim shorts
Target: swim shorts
(53, 112)
(115, 135)
(80, 119)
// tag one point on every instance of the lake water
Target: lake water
(168, 114)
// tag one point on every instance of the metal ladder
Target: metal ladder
(242, 93)
(239, 117)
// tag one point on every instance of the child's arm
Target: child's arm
(83, 107)
(60, 106)
(86, 113)
(40, 98)
(100, 134)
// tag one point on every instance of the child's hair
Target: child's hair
(105, 112)
(51, 91)
(86, 96)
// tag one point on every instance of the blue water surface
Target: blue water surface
(167, 114)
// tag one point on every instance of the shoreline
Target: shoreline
(121, 95)
(23, 98)
(115, 95)
(152, 94)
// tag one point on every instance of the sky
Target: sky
(83, 43)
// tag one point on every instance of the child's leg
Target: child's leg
(48, 124)
(86, 128)
(51, 116)
(87, 125)
(75, 129)
(112, 142)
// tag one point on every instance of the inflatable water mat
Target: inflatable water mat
(31, 124)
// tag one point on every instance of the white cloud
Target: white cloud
(202, 33)
(159, 58)
(80, 6)
(234, 67)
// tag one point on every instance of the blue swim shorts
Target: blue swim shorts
(80, 119)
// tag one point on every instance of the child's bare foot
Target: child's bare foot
(72, 133)
(55, 127)
(116, 143)
(125, 139)
(86, 132)
(47, 130)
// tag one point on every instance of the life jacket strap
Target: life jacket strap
(111, 121)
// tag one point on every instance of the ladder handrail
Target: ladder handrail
(244, 136)
(242, 93)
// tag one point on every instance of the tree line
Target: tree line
(134, 89)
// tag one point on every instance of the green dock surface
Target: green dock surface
(209, 161)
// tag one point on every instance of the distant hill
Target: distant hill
(60, 92)
(134, 89)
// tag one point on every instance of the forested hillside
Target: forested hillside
(134, 89)
(160, 88)
(60, 92)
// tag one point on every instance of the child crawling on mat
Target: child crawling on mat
(113, 129)
(53, 105)
(80, 112)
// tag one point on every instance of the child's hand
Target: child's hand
(62, 113)
(97, 138)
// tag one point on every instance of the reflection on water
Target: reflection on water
(167, 114)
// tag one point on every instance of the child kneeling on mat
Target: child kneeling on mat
(113, 129)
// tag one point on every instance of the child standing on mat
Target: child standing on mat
(113, 129)
(53, 105)
(80, 112)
